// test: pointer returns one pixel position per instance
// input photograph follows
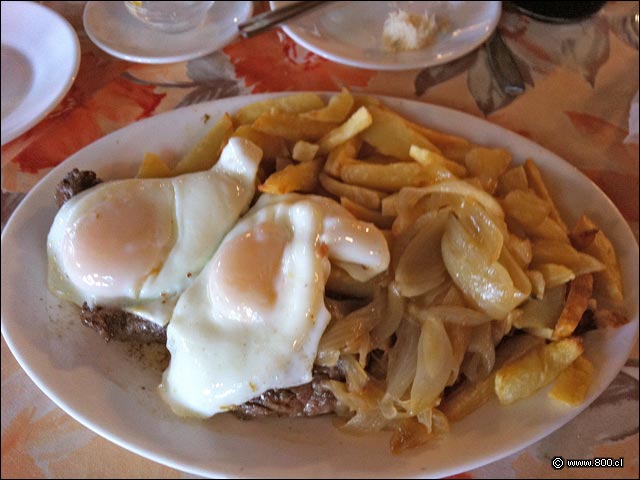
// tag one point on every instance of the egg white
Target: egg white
(136, 244)
(253, 319)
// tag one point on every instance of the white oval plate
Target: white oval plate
(351, 32)
(40, 60)
(107, 390)
(112, 28)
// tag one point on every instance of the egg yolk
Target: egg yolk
(118, 244)
(248, 269)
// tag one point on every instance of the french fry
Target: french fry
(366, 101)
(470, 396)
(520, 279)
(271, 146)
(487, 161)
(342, 155)
(206, 152)
(580, 291)
(436, 163)
(356, 123)
(366, 214)
(291, 126)
(555, 274)
(549, 229)
(389, 205)
(525, 207)
(364, 196)
(450, 146)
(520, 248)
(581, 236)
(513, 179)
(594, 242)
(153, 166)
(390, 135)
(487, 164)
(573, 383)
(301, 177)
(379, 159)
(538, 284)
(304, 151)
(553, 251)
(536, 182)
(388, 178)
(336, 111)
(296, 103)
(522, 377)
(609, 319)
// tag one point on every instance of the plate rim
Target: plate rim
(299, 37)
(63, 25)
(219, 106)
(158, 59)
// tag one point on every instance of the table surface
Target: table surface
(580, 82)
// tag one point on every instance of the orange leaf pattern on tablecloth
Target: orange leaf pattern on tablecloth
(113, 106)
(621, 189)
(618, 176)
(272, 62)
(32, 441)
(14, 460)
(601, 133)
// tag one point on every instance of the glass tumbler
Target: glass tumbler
(170, 17)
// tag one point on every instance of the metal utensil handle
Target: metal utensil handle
(267, 20)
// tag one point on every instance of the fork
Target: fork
(267, 20)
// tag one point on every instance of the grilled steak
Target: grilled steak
(73, 183)
(115, 324)
(310, 399)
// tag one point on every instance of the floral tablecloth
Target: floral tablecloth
(580, 83)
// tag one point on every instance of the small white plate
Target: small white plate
(112, 28)
(351, 32)
(40, 60)
(112, 390)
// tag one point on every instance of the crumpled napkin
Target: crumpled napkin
(633, 121)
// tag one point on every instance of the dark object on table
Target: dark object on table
(557, 12)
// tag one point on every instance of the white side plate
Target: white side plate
(112, 28)
(40, 60)
(351, 32)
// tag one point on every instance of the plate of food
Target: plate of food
(393, 35)
(40, 60)
(372, 309)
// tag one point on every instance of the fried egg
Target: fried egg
(136, 244)
(253, 318)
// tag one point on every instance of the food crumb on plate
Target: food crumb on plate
(407, 31)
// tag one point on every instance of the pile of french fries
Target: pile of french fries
(488, 289)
